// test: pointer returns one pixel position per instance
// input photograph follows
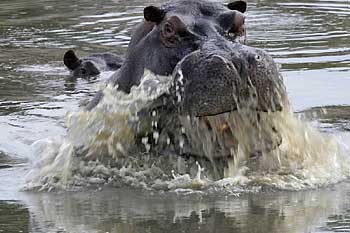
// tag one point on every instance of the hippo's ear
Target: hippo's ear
(240, 6)
(153, 14)
(71, 60)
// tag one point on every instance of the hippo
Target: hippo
(170, 32)
(91, 65)
(221, 88)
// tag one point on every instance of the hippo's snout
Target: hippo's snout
(203, 85)
(209, 83)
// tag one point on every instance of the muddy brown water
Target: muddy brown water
(310, 40)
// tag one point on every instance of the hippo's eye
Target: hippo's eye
(83, 71)
(168, 30)
(169, 35)
(172, 31)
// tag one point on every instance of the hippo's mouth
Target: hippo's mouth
(210, 82)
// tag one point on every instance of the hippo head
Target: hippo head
(181, 27)
(196, 42)
(170, 32)
(80, 68)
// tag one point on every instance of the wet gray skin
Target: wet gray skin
(223, 76)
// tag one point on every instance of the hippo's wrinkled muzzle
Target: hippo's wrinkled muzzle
(215, 80)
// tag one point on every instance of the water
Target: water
(309, 39)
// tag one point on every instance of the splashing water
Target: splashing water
(305, 158)
(118, 143)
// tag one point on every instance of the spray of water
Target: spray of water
(238, 151)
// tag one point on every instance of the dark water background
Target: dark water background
(311, 41)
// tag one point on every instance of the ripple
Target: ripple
(44, 68)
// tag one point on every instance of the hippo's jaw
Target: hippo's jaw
(210, 82)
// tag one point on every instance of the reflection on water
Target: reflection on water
(310, 39)
(14, 217)
(131, 211)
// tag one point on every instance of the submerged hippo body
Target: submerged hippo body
(214, 78)
(91, 65)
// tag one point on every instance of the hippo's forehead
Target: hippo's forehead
(201, 16)
(195, 8)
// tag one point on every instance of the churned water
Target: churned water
(99, 149)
